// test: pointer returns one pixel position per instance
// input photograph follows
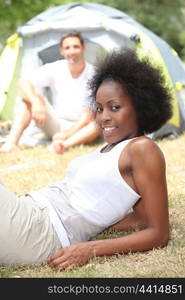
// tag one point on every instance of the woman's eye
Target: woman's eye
(115, 107)
(98, 109)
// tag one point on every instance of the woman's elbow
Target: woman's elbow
(162, 239)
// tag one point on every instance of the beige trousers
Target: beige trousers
(26, 233)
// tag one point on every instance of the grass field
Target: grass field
(30, 169)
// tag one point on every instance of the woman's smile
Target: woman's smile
(115, 113)
(107, 131)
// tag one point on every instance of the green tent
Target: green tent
(104, 29)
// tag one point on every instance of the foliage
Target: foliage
(164, 17)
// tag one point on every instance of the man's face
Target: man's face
(72, 50)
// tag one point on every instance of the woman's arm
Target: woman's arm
(131, 221)
(148, 167)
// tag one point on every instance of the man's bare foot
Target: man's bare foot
(7, 147)
(57, 146)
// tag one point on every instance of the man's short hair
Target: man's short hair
(72, 34)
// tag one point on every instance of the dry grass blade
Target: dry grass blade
(30, 169)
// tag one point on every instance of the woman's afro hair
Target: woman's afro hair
(144, 83)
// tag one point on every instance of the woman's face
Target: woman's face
(115, 113)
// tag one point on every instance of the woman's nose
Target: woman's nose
(105, 115)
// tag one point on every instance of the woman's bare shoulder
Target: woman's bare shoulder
(144, 148)
(143, 143)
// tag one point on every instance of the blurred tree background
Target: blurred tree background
(164, 17)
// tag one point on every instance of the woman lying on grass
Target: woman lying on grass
(56, 224)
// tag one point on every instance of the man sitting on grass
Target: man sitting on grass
(69, 119)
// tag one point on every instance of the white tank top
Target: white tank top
(94, 191)
(97, 189)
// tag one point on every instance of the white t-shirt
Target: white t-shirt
(69, 95)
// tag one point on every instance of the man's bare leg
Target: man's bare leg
(85, 135)
(22, 120)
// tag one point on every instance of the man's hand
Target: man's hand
(74, 255)
(39, 113)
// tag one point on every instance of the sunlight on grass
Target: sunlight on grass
(30, 169)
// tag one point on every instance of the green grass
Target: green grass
(33, 168)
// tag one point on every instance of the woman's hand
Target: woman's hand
(74, 255)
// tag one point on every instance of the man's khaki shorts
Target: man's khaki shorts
(26, 233)
(53, 123)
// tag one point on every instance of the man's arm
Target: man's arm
(85, 119)
(33, 98)
(28, 92)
